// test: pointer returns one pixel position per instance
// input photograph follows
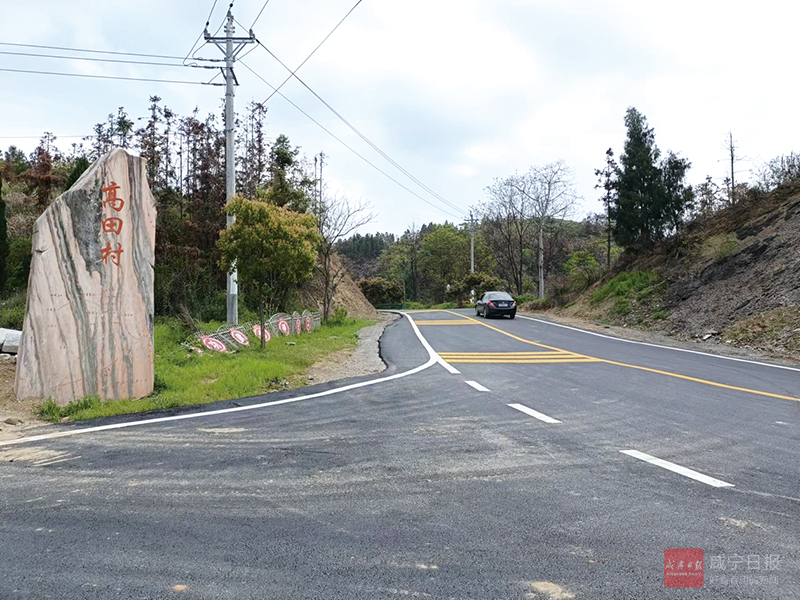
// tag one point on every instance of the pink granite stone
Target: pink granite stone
(88, 327)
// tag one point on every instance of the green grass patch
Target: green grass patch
(184, 377)
(628, 285)
(421, 306)
(720, 247)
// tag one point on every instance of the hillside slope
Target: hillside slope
(348, 295)
(734, 276)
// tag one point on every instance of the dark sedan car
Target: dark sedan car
(496, 303)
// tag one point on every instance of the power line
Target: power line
(107, 77)
(382, 172)
(36, 137)
(312, 52)
(258, 16)
(367, 140)
(105, 60)
(91, 51)
(208, 20)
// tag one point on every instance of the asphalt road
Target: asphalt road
(424, 482)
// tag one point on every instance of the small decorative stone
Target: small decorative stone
(11, 342)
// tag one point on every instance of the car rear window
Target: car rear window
(499, 296)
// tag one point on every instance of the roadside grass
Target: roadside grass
(421, 306)
(184, 377)
(627, 286)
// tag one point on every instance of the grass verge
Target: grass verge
(184, 378)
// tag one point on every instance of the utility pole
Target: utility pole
(471, 243)
(231, 49)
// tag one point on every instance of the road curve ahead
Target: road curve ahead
(494, 459)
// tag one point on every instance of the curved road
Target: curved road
(493, 459)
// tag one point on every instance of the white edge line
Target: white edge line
(48, 436)
(534, 413)
(477, 386)
(430, 349)
(686, 472)
(618, 339)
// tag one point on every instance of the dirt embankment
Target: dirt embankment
(348, 295)
(733, 279)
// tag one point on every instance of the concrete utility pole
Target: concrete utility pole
(232, 47)
(471, 243)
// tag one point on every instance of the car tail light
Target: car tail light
(490, 303)
(514, 303)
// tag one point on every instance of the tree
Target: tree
(3, 240)
(607, 181)
(289, 184)
(273, 249)
(444, 260)
(382, 291)
(652, 196)
(337, 218)
(507, 226)
(521, 205)
(42, 176)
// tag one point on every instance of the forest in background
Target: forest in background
(526, 239)
(186, 172)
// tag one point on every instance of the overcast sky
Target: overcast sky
(458, 92)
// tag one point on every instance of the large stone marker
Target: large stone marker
(88, 327)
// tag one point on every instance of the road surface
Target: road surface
(493, 459)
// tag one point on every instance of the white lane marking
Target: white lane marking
(686, 472)
(432, 359)
(430, 349)
(617, 339)
(534, 413)
(477, 386)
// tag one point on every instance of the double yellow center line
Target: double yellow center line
(557, 355)
(515, 357)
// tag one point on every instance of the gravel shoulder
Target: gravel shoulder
(364, 359)
(641, 335)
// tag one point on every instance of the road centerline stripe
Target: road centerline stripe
(534, 413)
(675, 468)
(477, 386)
(640, 368)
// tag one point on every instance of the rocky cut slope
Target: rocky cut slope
(736, 274)
(732, 277)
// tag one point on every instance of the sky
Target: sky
(457, 92)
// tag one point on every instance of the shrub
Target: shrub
(582, 269)
(12, 310)
(339, 318)
(626, 285)
(381, 291)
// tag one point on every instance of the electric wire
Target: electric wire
(365, 138)
(208, 20)
(105, 60)
(108, 77)
(312, 52)
(381, 171)
(92, 51)
(258, 16)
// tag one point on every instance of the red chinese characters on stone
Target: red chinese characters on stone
(107, 252)
(111, 200)
(112, 225)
